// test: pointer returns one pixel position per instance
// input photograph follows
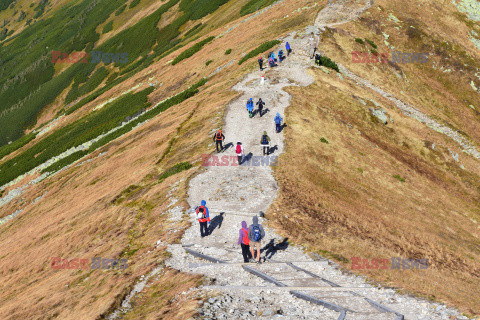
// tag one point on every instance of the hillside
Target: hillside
(100, 159)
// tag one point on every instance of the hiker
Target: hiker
(260, 63)
(289, 50)
(314, 51)
(250, 107)
(278, 122)
(272, 55)
(218, 138)
(317, 59)
(244, 242)
(239, 151)
(265, 142)
(271, 62)
(260, 105)
(255, 235)
(281, 57)
(203, 216)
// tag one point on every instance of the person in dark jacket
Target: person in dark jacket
(250, 107)
(265, 142)
(203, 217)
(255, 235)
(260, 63)
(218, 138)
(244, 242)
(260, 105)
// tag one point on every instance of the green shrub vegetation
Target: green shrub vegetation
(17, 144)
(65, 161)
(228, 51)
(91, 84)
(254, 5)
(179, 167)
(75, 134)
(359, 40)
(40, 9)
(134, 3)
(194, 30)
(324, 140)
(108, 27)
(262, 48)
(4, 4)
(120, 10)
(208, 62)
(192, 50)
(399, 178)
(370, 42)
(327, 62)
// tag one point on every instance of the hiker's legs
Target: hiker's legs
(265, 149)
(219, 145)
(239, 160)
(245, 252)
(277, 127)
(260, 111)
(258, 245)
(252, 252)
(203, 229)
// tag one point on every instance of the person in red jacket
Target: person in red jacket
(244, 242)
(203, 216)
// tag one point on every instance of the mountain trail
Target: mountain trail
(290, 284)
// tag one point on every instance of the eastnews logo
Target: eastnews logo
(397, 57)
(94, 263)
(396, 263)
(209, 160)
(97, 57)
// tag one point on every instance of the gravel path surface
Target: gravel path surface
(237, 193)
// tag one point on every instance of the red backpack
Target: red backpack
(239, 149)
(245, 240)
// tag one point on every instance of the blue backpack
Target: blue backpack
(256, 233)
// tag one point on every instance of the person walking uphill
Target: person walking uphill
(265, 142)
(289, 49)
(260, 105)
(203, 216)
(239, 151)
(244, 242)
(278, 122)
(260, 63)
(250, 107)
(255, 235)
(218, 138)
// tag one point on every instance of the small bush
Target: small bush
(108, 27)
(359, 40)
(324, 140)
(254, 5)
(370, 42)
(191, 51)
(374, 52)
(228, 51)
(399, 178)
(208, 62)
(260, 49)
(120, 10)
(133, 4)
(179, 167)
(327, 62)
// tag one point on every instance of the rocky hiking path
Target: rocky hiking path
(290, 284)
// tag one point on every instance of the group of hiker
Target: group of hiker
(250, 238)
(272, 60)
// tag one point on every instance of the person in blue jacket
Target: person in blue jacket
(250, 107)
(203, 217)
(289, 50)
(278, 122)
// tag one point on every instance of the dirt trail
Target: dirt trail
(237, 193)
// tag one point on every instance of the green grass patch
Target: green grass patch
(208, 62)
(108, 27)
(192, 50)
(359, 40)
(254, 5)
(179, 167)
(324, 140)
(260, 49)
(228, 51)
(370, 42)
(399, 178)
(120, 10)
(65, 161)
(133, 4)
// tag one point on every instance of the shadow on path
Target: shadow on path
(270, 249)
(216, 222)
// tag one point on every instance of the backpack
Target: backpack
(239, 149)
(264, 140)
(245, 239)
(256, 233)
(201, 215)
